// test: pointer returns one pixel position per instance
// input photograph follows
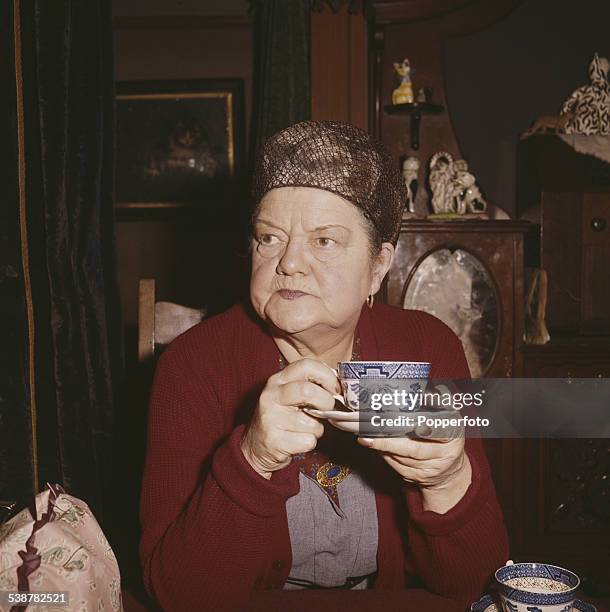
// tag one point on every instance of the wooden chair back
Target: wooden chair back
(160, 322)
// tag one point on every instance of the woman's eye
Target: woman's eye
(267, 239)
(325, 242)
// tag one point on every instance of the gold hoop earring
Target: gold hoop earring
(370, 300)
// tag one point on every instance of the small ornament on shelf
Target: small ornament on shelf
(455, 194)
(403, 101)
(410, 171)
(403, 94)
(424, 95)
(467, 196)
(441, 173)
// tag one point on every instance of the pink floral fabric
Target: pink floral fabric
(63, 550)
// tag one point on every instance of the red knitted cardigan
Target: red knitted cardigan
(213, 530)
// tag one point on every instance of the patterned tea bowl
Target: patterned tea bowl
(381, 377)
(537, 587)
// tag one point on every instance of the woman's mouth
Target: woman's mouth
(287, 294)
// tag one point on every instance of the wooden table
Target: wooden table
(409, 600)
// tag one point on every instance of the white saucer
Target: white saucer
(487, 604)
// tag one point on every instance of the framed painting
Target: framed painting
(176, 141)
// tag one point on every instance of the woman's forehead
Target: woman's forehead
(307, 204)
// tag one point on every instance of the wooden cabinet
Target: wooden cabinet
(563, 486)
(595, 264)
(470, 275)
(568, 195)
(568, 357)
(573, 246)
(554, 493)
(561, 506)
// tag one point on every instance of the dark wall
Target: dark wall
(499, 80)
(182, 251)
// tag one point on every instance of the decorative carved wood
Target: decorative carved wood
(578, 494)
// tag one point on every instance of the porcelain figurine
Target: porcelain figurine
(467, 196)
(587, 109)
(590, 105)
(454, 189)
(403, 94)
(410, 171)
(441, 176)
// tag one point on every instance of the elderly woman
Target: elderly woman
(243, 490)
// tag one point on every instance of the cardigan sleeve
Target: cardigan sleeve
(455, 554)
(208, 519)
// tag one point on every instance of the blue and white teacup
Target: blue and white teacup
(380, 377)
(537, 587)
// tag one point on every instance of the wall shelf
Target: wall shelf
(416, 110)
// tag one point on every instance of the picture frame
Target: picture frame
(177, 142)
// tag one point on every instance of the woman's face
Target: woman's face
(311, 264)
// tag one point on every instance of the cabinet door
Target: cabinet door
(560, 256)
(561, 508)
(472, 280)
(570, 360)
(595, 288)
(562, 487)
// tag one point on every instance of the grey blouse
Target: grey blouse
(331, 544)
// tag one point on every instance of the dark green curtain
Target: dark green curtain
(281, 66)
(60, 312)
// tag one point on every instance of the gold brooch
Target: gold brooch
(331, 474)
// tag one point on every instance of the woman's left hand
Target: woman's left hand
(441, 468)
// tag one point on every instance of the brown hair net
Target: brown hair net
(339, 158)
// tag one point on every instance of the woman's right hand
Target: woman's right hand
(279, 428)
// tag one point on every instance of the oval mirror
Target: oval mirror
(454, 286)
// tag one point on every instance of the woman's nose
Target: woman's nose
(293, 259)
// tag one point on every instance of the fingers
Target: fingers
(289, 434)
(304, 393)
(313, 371)
(419, 473)
(418, 461)
(299, 422)
(299, 443)
(340, 399)
(283, 419)
(409, 448)
(410, 472)
(439, 434)
(278, 429)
